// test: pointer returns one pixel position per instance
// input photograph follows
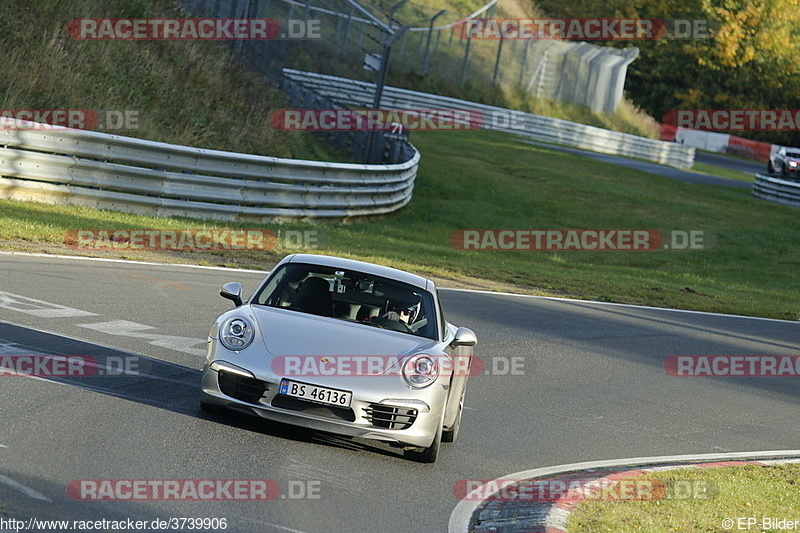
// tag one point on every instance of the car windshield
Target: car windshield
(794, 155)
(350, 295)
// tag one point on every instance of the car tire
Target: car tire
(770, 168)
(450, 435)
(429, 454)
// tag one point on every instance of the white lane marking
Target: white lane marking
(128, 261)
(475, 291)
(125, 328)
(7, 348)
(282, 528)
(32, 306)
(27, 491)
(3, 446)
(148, 400)
(11, 348)
(312, 472)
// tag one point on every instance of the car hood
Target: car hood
(286, 332)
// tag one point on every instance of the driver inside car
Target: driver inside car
(406, 314)
(399, 315)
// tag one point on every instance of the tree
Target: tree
(750, 60)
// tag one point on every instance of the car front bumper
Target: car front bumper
(394, 407)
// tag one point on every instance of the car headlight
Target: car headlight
(225, 366)
(236, 333)
(420, 371)
(792, 164)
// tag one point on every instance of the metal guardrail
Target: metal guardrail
(60, 165)
(359, 94)
(777, 190)
(365, 146)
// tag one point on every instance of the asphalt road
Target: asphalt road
(731, 163)
(667, 171)
(590, 385)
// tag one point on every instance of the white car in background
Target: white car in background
(785, 161)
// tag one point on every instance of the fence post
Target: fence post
(381, 81)
(346, 30)
(497, 61)
(424, 70)
(524, 62)
(290, 14)
(465, 61)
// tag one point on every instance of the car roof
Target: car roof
(362, 266)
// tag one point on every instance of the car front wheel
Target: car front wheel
(450, 435)
(429, 454)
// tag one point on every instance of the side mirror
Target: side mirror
(232, 291)
(464, 337)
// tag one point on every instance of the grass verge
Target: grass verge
(482, 180)
(743, 493)
(188, 92)
(712, 170)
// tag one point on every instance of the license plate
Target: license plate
(313, 393)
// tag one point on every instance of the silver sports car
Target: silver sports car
(346, 347)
